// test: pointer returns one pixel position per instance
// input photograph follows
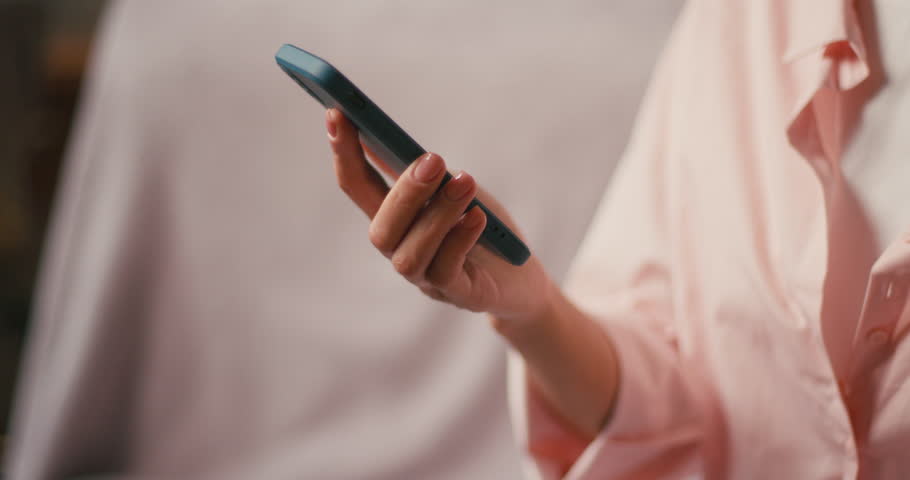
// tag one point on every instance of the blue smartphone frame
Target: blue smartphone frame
(383, 136)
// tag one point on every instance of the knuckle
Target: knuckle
(475, 308)
(406, 266)
(345, 182)
(346, 188)
(433, 293)
(380, 238)
(410, 199)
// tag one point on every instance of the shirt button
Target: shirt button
(877, 337)
(896, 287)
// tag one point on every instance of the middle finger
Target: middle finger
(421, 243)
(405, 200)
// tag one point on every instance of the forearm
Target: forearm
(570, 361)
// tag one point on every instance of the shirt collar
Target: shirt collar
(825, 31)
(823, 47)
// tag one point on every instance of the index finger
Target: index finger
(356, 177)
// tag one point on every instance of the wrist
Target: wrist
(521, 328)
(570, 359)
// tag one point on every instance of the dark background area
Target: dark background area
(44, 46)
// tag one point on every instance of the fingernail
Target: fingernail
(473, 218)
(330, 122)
(428, 168)
(458, 187)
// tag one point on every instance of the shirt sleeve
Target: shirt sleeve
(623, 277)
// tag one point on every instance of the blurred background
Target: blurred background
(198, 324)
(44, 46)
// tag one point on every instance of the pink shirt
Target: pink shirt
(751, 259)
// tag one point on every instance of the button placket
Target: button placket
(885, 302)
(884, 308)
(877, 338)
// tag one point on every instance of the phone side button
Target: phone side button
(356, 100)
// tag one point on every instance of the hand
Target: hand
(431, 242)
(429, 238)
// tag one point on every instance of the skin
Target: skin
(430, 240)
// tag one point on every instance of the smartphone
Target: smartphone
(383, 136)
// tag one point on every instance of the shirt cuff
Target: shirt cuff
(653, 431)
